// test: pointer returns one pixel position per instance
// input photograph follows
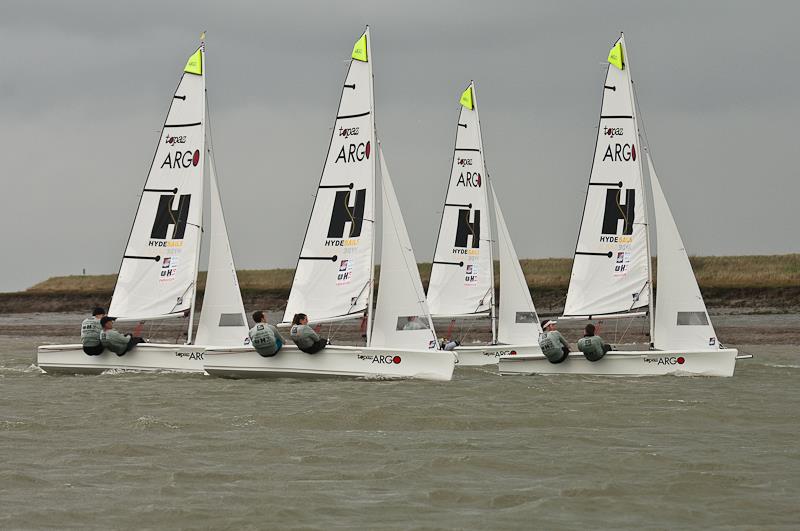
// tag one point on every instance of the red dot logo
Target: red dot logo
(396, 360)
(633, 152)
(512, 353)
(681, 360)
(367, 149)
(196, 157)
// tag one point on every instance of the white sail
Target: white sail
(462, 278)
(222, 319)
(518, 321)
(402, 319)
(334, 272)
(610, 272)
(681, 320)
(159, 268)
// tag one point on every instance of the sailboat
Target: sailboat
(462, 274)
(158, 275)
(611, 273)
(334, 278)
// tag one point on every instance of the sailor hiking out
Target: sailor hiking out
(592, 346)
(90, 332)
(115, 341)
(552, 343)
(304, 336)
(265, 337)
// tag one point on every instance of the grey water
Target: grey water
(139, 451)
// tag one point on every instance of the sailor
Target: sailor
(552, 343)
(113, 340)
(591, 345)
(412, 323)
(265, 337)
(450, 344)
(304, 336)
(90, 332)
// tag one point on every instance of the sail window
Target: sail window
(526, 318)
(692, 318)
(231, 319)
(412, 322)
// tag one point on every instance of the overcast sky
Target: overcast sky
(85, 85)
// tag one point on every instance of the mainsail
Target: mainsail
(222, 319)
(402, 319)
(681, 320)
(158, 274)
(610, 272)
(333, 279)
(518, 321)
(462, 276)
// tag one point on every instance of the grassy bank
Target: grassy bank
(713, 272)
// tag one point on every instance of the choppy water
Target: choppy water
(484, 451)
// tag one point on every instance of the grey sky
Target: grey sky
(84, 86)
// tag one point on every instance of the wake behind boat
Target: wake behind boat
(462, 274)
(158, 276)
(611, 275)
(334, 277)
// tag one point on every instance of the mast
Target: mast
(488, 219)
(205, 170)
(646, 150)
(374, 187)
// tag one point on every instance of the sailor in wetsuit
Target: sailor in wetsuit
(304, 336)
(552, 343)
(114, 341)
(591, 345)
(265, 337)
(90, 332)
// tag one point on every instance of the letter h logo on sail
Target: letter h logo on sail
(165, 217)
(466, 228)
(343, 212)
(616, 211)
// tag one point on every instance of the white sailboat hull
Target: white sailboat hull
(145, 357)
(334, 360)
(629, 363)
(482, 355)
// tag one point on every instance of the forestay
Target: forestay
(462, 278)
(610, 273)
(222, 320)
(681, 320)
(402, 319)
(518, 321)
(334, 272)
(159, 268)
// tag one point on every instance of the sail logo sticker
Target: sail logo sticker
(620, 153)
(172, 140)
(166, 217)
(354, 153)
(169, 268)
(345, 274)
(464, 162)
(622, 263)
(471, 275)
(468, 233)
(469, 180)
(616, 211)
(347, 132)
(613, 131)
(182, 159)
(345, 213)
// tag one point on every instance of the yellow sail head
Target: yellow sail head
(195, 63)
(466, 98)
(360, 49)
(615, 56)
